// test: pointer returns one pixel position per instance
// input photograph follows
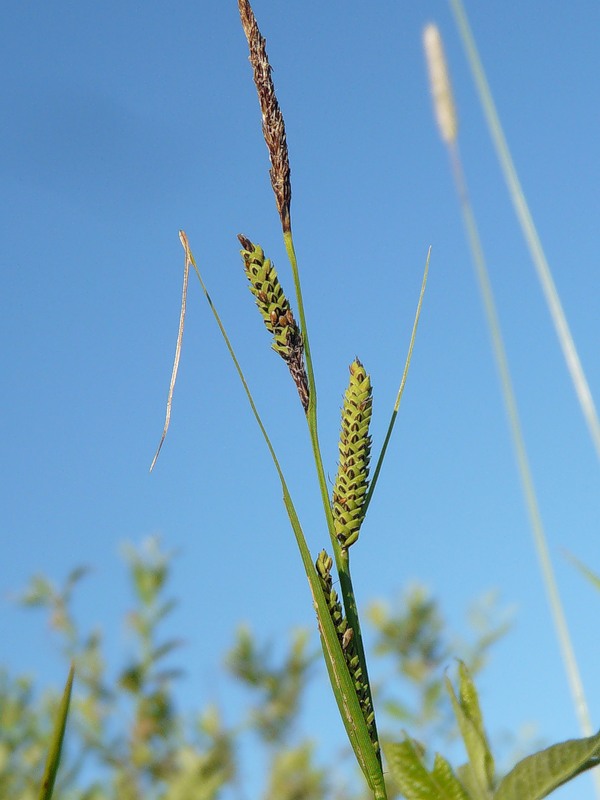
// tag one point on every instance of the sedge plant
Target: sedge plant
(344, 510)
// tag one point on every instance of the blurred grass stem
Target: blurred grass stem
(535, 519)
(437, 66)
(561, 326)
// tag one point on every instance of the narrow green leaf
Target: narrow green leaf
(445, 777)
(592, 577)
(541, 773)
(405, 762)
(466, 775)
(58, 733)
(392, 422)
(165, 649)
(470, 722)
(415, 781)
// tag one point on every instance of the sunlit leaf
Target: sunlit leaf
(56, 742)
(539, 774)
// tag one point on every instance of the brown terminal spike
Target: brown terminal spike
(272, 119)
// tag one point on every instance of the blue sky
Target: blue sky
(121, 125)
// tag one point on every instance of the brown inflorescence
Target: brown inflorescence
(272, 118)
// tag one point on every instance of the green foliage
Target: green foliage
(279, 687)
(156, 755)
(415, 780)
(415, 640)
(539, 774)
(24, 732)
(125, 736)
(294, 776)
(126, 739)
(532, 778)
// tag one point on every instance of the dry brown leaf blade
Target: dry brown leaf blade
(186, 274)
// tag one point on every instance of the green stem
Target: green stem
(341, 555)
(311, 415)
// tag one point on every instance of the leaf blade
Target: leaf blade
(541, 773)
(58, 733)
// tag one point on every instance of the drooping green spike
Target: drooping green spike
(276, 313)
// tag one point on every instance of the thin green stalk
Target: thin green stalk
(561, 326)
(311, 415)
(341, 554)
(341, 557)
(341, 680)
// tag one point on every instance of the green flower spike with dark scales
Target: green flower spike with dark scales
(351, 481)
(346, 639)
(276, 313)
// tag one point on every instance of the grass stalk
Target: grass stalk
(340, 555)
(442, 94)
(536, 250)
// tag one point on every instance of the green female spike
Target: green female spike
(276, 313)
(346, 639)
(351, 481)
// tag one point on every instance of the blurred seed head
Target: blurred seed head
(439, 81)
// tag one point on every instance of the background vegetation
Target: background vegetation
(127, 739)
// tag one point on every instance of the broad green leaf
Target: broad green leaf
(58, 733)
(539, 774)
(415, 781)
(470, 722)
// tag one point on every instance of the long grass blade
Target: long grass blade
(411, 345)
(58, 733)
